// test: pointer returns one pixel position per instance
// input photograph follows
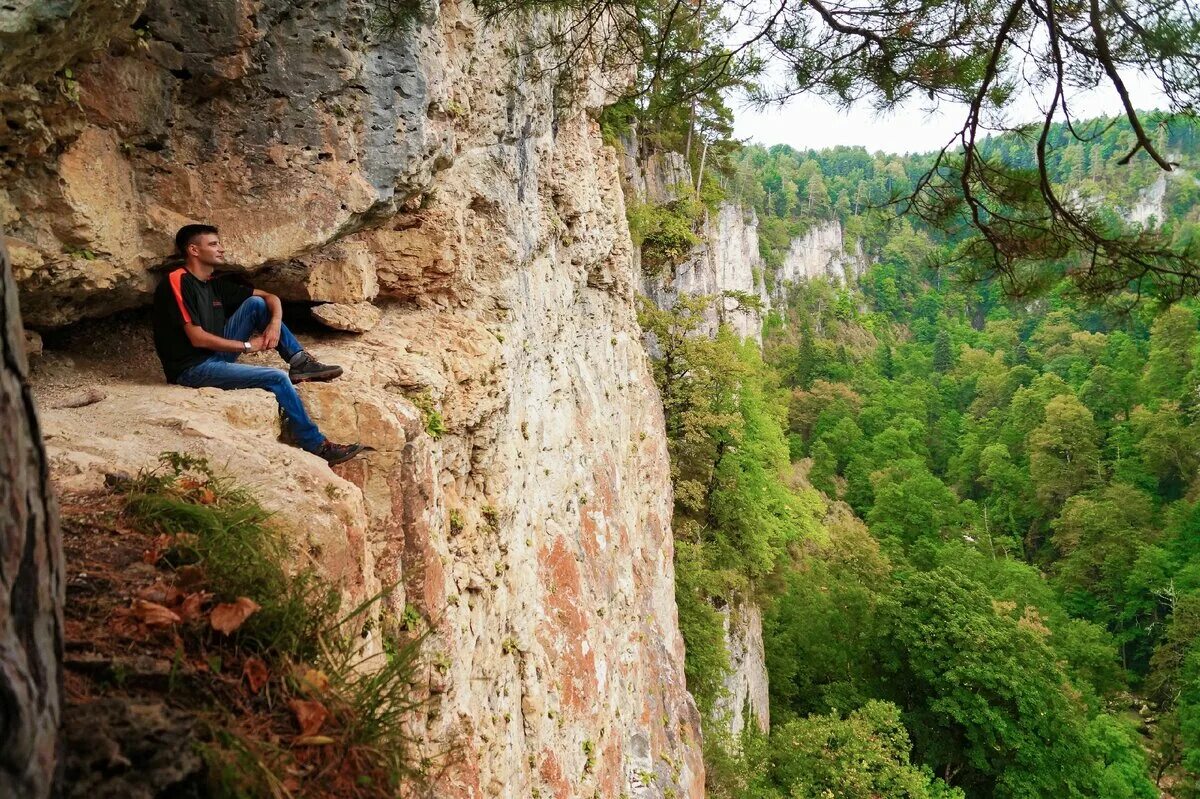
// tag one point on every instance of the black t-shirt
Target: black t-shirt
(181, 298)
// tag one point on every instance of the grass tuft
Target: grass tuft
(241, 553)
(208, 523)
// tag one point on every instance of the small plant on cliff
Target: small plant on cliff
(435, 425)
(80, 253)
(616, 121)
(665, 232)
(411, 620)
(68, 86)
(589, 753)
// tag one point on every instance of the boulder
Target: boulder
(357, 318)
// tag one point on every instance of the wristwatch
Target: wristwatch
(246, 346)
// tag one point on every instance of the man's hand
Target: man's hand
(270, 336)
(258, 343)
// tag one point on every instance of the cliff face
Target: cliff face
(821, 252)
(747, 699)
(1149, 207)
(725, 265)
(459, 189)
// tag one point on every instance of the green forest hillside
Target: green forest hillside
(992, 587)
(791, 189)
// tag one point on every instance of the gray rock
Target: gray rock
(125, 749)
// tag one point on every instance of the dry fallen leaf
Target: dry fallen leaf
(193, 605)
(256, 674)
(229, 616)
(153, 614)
(310, 715)
(206, 497)
(313, 681)
(138, 619)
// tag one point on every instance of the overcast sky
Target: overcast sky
(811, 122)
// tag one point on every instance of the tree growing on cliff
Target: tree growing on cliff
(734, 513)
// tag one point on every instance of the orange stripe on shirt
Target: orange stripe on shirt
(176, 286)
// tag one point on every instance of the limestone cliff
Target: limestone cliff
(820, 252)
(1148, 209)
(747, 697)
(725, 265)
(459, 187)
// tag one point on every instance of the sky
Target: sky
(810, 122)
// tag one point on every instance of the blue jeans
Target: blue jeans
(221, 370)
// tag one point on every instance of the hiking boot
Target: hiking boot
(305, 368)
(338, 453)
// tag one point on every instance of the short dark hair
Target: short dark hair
(188, 233)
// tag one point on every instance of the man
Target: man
(203, 323)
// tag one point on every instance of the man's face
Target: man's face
(207, 249)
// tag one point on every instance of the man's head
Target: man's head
(200, 244)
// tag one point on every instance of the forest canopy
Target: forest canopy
(968, 519)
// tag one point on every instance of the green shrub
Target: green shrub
(435, 425)
(615, 121)
(664, 232)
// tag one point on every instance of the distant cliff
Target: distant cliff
(820, 252)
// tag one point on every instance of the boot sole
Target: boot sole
(344, 458)
(326, 374)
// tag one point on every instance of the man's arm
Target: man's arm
(203, 339)
(270, 335)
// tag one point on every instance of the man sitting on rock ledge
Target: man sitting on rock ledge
(203, 323)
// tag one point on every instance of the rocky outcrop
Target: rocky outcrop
(820, 252)
(289, 127)
(725, 266)
(357, 318)
(445, 171)
(1148, 209)
(746, 699)
(31, 573)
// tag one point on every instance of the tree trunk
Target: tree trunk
(31, 575)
